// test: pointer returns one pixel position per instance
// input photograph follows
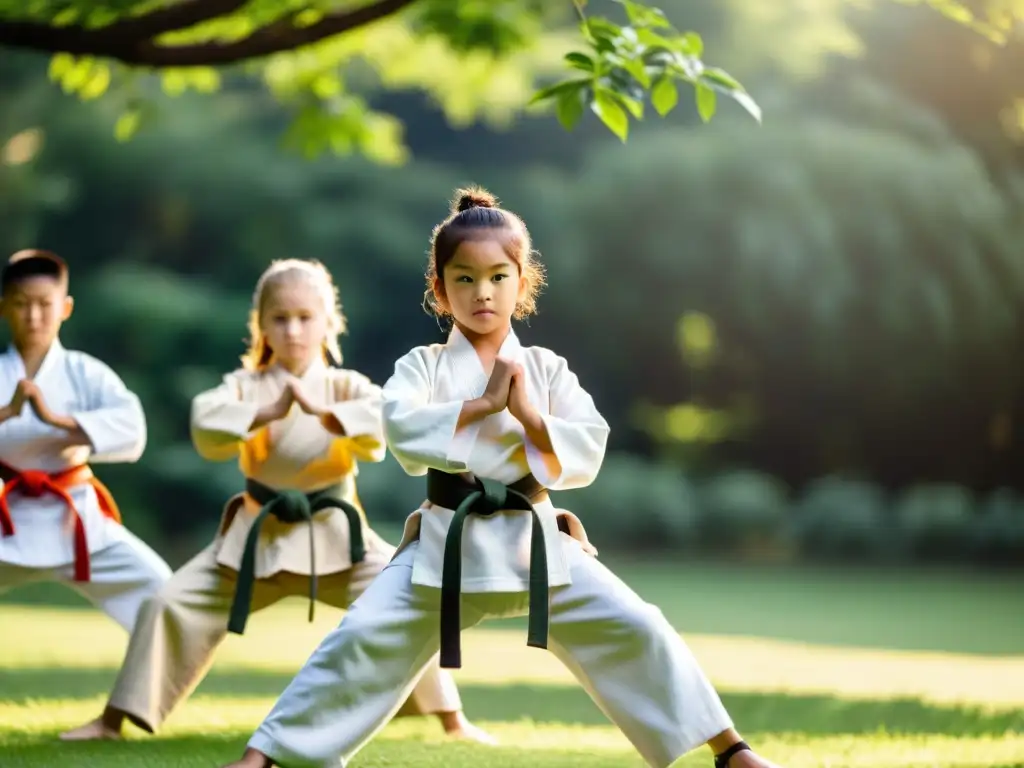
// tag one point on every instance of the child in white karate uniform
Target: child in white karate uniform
(493, 425)
(64, 410)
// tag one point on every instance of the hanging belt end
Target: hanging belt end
(236, 628)
(451, 658)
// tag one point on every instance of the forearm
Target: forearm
(265, 415)
(472, 411)
(537, 431)
(76, 435)
(6, 413)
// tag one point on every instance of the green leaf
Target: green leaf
(746, 101)
(691, 44)
(100, 17)
(612, 115)
(127, 124)
(580, 61)
(636, 68)
(602, 34)
(642, 16)
(601, 27)
(653, 40)
(558, 88)
(954, 10)
(308, 17)
(77, 74)
(664, 96)
(722, 77)
(174, 82)
(96, 84)
(634, 106)
(569, 108)
(707, 101)
(66, 17)
(60, 65)
(326, 85)
(620, 80)
(737, 93)
(205, 79)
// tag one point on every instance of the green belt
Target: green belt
(288, 506)
(485, 497)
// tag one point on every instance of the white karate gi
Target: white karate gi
(622, 649)
(124, 570)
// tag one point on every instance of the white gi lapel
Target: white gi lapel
(468, 381)
(52, 368)
(467, 378)
(11, 372)
(511, 349)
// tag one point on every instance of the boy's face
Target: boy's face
(35, 308)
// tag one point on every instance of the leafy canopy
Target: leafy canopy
(319, 56)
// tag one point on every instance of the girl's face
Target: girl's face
(294, 323)
(482, 286)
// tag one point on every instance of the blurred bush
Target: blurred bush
(636, 504)
(744, 511)
(842, 519)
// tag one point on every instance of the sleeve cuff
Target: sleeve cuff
(462, 442)
(230, 419)
(543, 465)
(103, 439)
(358, 420)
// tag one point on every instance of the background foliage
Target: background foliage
(806, 334)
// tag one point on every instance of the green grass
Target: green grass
(818, 668)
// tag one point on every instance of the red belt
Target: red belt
(34, 483)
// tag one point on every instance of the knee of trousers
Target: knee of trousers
(645, 622)
(162, 602)
(362, 621)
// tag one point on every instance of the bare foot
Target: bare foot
(749, 759)
(456, 726)
(94, 730)
(470, 732)
(251, 759)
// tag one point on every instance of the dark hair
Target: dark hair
(33, 262)
(475, 216)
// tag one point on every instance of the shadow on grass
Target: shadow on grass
(211, 751)
(754, 711)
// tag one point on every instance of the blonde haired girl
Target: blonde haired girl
(297, 424)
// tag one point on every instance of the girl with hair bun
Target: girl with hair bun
(493, 426)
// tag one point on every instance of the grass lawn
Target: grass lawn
(819, 668)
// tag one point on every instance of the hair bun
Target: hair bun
(473, 197)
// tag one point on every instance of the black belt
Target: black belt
(289, 507)
(485, 497)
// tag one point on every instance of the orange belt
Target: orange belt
(34, 483)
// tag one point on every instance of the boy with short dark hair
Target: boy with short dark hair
(61, 410)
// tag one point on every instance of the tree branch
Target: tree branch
(181, 15)
(131, 40)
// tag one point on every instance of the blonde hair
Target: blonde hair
(259, 354)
